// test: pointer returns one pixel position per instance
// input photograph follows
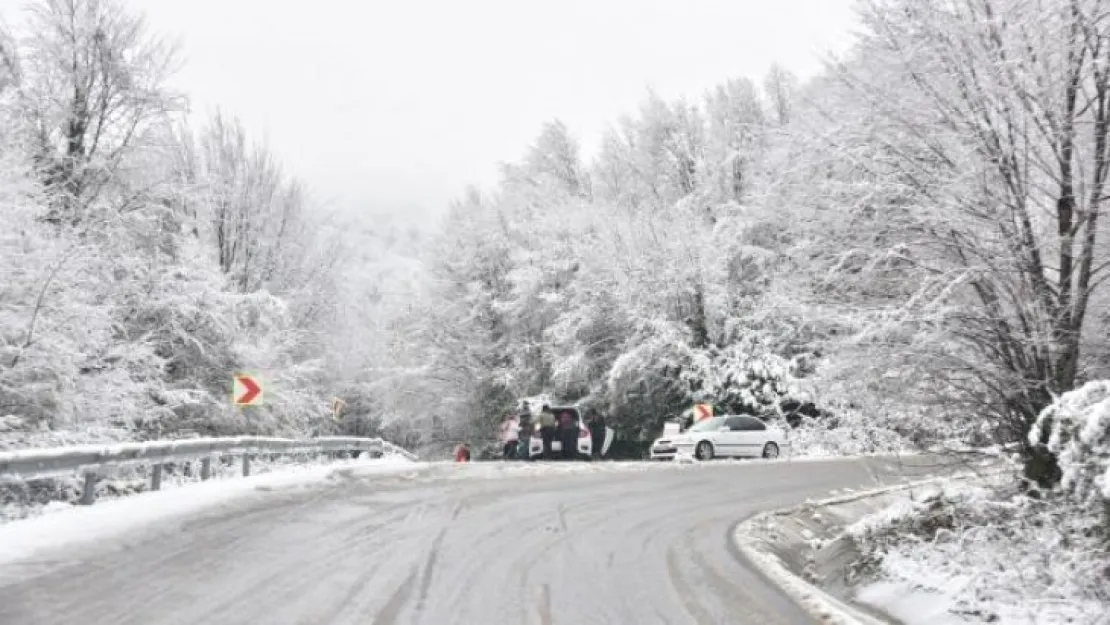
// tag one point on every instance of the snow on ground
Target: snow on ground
(496, 468)
(20, 500)
(768, 537)
(929, 598)
(964, 554)
(64, 524)
(15, 435)
(59, 524)
(988, 582)
(815, 601)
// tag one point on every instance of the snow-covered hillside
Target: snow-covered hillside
(907, 250)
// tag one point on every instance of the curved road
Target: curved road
(445, 545)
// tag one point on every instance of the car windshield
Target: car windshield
(712, 423)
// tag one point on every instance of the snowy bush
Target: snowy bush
(849, 435)
(741, 378)
(981, 554)
(1076, 430)
(644, 385)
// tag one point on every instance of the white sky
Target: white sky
(397, 106)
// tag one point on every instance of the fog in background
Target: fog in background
(395, 107)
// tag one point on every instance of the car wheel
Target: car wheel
(704, 451)
(770, 451)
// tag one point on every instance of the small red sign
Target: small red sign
(248, 391)
(702, 411)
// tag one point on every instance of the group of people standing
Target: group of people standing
(516, 431)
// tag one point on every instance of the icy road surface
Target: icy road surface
(447, 544)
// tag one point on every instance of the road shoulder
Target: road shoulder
(804, 550)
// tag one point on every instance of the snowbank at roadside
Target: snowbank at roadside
(31, 498)
(818, 603)
(63, 524)
(796, 547)
(987, 553)
(809, 550)
(968, 553)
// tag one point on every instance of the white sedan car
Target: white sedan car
(662, 448)
(731, 436)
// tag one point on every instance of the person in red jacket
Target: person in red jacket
(462, 453)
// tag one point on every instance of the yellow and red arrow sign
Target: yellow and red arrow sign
(702, 411)
(248, 391)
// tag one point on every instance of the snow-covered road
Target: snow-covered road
(446, 544)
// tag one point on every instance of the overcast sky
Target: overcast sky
(396, 106)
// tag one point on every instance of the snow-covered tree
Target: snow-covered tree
(948, 204)
(735, 136)
(118, 316)
(555, 161)
(91, 81)
(780, 86)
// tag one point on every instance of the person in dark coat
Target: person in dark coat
(597, 431)
(526, 432)
(568, 434)
(547, 430)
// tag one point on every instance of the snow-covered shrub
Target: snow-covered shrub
(661, 376)
(20, 500)
(645, 387)
(983, 554)
(741, 378)
(1076, 430)
(850, 434)
(586, 339)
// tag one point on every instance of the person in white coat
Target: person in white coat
(510, 436)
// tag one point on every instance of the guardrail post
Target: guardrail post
(205, 468)
(88, 491)
(156, 477)
(246, 465)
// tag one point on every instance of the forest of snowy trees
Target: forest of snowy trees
(144, 261)
(911, 241)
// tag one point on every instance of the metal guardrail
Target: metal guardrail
(90, 460)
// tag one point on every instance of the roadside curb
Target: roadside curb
(819, 604)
